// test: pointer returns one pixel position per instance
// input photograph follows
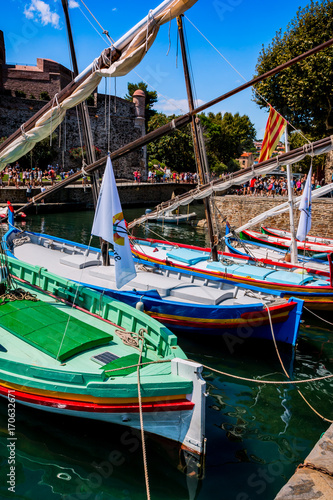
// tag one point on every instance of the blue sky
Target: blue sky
(237, 28)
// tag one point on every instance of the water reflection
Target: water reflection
(76, 459)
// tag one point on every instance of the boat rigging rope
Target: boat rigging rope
(242, 243)
(319, 317)
(231, 375)
(144, 455)
(130, 339)
(17, 294)
(243, 78)
(105, 32)
(155, 234)
(285, 371)
(77, 290)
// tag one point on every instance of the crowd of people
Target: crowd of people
(258, 186)
(22, 177)
(166, 175)
(29, 178)
(276, 186)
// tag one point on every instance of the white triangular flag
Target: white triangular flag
(109, 224)
(304, 224)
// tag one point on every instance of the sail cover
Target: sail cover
(220, 186)
(133, 46)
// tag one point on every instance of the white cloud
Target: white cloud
(41, 11)
(114, 9)
(174, 106)
(72, 4)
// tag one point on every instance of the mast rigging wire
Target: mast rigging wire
(243, 78)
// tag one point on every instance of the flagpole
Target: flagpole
(293, 247)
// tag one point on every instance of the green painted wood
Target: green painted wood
(125, 361)
(50, 329)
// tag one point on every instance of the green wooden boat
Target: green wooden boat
(70, 350)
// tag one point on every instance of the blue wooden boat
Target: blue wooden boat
(315, 289)
(183, 300)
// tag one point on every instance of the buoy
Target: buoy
(140, 306)
(64, 476)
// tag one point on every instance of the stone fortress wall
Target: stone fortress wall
(125, 118)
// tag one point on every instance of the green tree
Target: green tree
(302, 93)
(227, 137)
(44, 96)
(41, 155)
(174, 149)
(151, 98)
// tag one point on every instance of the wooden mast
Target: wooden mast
(83, 110)
(85, 120)
(198, 151)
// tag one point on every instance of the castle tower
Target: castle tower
(2, 55)
(139, 100)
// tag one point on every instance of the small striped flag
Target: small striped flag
(274, 129)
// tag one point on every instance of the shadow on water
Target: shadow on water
(76, 459)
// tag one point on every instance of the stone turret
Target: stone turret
(139, 100)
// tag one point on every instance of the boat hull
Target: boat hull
(177, 219)
(229, 321)
(311, 249)
(319, 298)
(310, 239)
(160, 418)
(42, 367)
(188, 317)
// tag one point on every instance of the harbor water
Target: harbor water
(256, 434)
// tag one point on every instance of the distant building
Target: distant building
(23, 90)
(47, 76)
(246, 160)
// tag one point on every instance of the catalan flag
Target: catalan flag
(274, 129)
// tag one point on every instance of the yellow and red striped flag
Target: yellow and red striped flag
(274, 129)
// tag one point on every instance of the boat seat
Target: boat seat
(289, 278)
(151, 281)
(80, 261)
(321, 283)
(222, 268)
(255, 272)
(202, 295)
(189, 257)
(43, 326)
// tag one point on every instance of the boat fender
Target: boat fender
(140, 305)
(64, 476)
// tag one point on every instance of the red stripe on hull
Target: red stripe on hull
(181, 405)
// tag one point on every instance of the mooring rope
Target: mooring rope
(144, 454)
(230, 375)
(17, 294)
(319, 317)
(286, 373)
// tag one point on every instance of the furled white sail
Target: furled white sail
(133, 46)
(222, 185)
(284, 207)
